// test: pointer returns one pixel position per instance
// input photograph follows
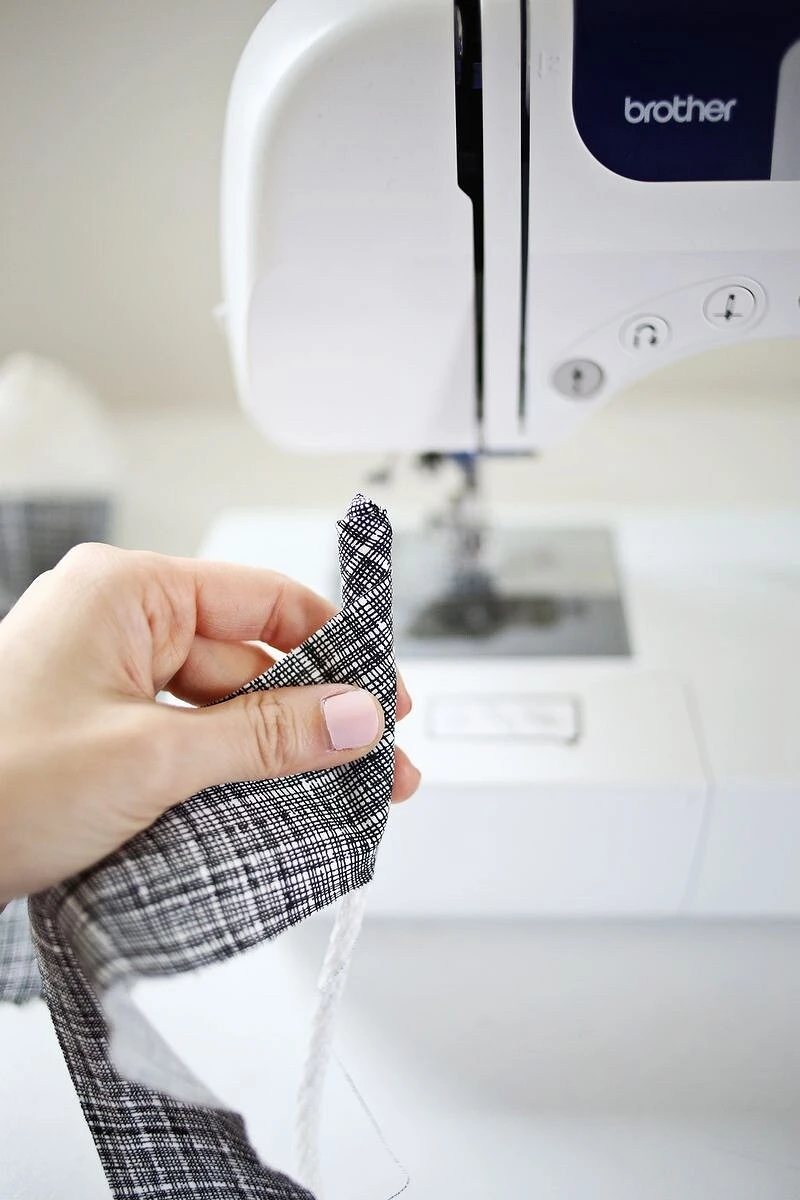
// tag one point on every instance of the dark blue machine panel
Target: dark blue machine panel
(681, 89)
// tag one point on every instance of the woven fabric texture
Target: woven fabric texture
(19, 975)
(220, 873)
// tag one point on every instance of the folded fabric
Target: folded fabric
(220, 873)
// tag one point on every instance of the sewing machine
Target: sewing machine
(457, 231)
(461, 232)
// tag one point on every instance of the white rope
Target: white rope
(344, 935)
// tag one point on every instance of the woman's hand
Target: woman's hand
(88, 758)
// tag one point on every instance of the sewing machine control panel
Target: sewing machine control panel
(679, 322)
(713, 313)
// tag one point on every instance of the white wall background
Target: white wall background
(111, 117)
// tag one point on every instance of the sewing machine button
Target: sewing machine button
(644, 333)
(527, 717)
(580, 378)
(730, 307)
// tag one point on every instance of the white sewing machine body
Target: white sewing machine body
(636, 200)
(371, 303)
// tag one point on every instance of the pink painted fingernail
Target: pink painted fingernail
(353, 720)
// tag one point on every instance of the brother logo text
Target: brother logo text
(680, 108)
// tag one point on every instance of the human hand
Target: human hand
(87, 756)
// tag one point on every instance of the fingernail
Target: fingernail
(352, 718)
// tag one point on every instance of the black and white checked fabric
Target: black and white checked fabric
(19, 974)
(225, 870)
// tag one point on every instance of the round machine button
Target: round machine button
(579, 378)
(731, 307)
(644, 334)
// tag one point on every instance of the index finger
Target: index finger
(234, 603)
(242, 604)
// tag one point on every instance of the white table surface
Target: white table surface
(563, 1061)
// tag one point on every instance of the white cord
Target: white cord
(378, 1131)
(344, 935)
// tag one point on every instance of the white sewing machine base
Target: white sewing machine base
(664, 783)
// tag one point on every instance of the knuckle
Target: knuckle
(88, 557)
(274, 731)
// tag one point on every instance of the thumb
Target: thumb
(266, 735)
